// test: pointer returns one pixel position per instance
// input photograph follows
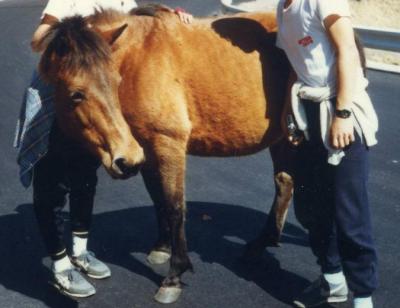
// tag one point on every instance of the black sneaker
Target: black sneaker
(319, 292)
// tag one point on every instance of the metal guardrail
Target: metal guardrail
(376, 38)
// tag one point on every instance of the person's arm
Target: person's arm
(341, 33)
(38, 36)
(53, 13)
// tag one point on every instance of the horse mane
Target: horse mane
(110, 16)
(75, 41)
(75, 46)
(152, 10)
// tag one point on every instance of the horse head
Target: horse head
(77, 62)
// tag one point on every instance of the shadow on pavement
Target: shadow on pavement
(21, 267)
(216, 232)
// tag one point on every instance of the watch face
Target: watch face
(344, 113)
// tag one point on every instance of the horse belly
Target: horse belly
(232, 120)
(229, 140)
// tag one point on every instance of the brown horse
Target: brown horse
(148, 90)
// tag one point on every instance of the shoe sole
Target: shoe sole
(298, 304)
(338, 299)
(97, 276)
(64, 291)
(330, 300)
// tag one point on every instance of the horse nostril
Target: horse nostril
(125, 168)
(121, 164)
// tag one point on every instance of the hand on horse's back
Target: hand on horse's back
(184, 17)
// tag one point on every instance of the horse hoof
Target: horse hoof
(168, 295)
(158, 257)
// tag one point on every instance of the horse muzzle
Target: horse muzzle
(121, 168)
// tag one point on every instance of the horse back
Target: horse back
(220, 82)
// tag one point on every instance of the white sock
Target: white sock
(363, 302)
(79, 245)
(335, 279)
(62, 265)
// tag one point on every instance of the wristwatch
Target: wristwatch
(343, 113)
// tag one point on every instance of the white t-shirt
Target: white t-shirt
(303, 37)
(66, 8)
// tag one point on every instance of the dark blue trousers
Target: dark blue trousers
(66, 169)
(331, 202)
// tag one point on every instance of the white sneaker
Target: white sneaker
(72, 283)
(91, 266)
(319, 292)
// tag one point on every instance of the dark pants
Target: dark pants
(67, 168)
(331, 202)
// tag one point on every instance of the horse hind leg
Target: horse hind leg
(169, 164)
(282, 158)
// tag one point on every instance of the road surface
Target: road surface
(227, 202)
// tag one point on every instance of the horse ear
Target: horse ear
(112, 35)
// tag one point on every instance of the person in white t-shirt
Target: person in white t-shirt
(330, 104)
(58, 166)
(57, 10)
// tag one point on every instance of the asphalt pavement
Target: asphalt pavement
(227, 201)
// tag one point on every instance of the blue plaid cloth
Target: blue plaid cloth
(33, 127)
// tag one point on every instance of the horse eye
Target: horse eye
(77, 97)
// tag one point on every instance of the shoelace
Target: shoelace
(88, 257)
(73, 275)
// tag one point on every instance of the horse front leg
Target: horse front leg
(169, 163)
(161, 251)
(282, 154)
(171, 287)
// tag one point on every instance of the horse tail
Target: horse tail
(361, 51)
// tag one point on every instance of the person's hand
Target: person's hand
(184, 16)
(342, 132)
